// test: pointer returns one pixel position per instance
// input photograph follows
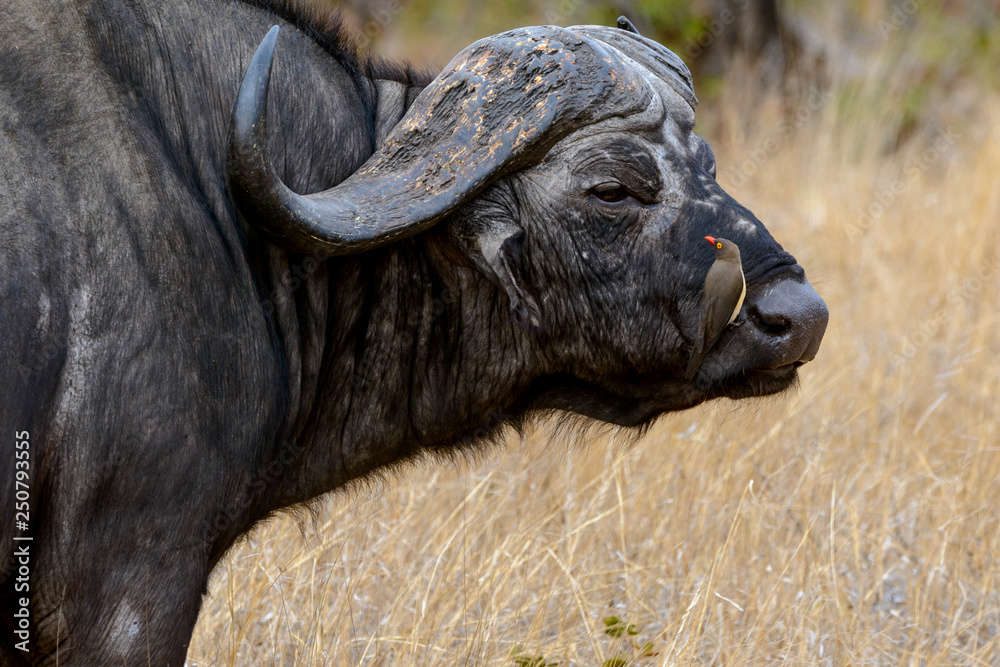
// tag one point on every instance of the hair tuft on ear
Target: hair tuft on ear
(490, 236)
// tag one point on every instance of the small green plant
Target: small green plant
(615, 627)
(520, 659)
(647, 650)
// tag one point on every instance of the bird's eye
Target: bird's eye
(610, 194)
(718, 245)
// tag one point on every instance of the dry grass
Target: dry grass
(854, 521)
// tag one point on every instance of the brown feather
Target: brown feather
(724, 288)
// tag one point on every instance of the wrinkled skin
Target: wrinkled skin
(618, 282)
(183, 377)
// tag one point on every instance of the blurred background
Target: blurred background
(928, 58)
(855, 520)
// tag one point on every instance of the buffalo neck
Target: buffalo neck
(383, 355)
(393, 353)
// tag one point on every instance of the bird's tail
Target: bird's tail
(697, 356)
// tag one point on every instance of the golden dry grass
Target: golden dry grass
(853, 521)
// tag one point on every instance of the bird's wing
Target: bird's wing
(719, 311)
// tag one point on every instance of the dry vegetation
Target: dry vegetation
(853, 521)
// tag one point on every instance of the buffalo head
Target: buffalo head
(563, 164)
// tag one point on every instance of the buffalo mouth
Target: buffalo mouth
(636, 405)
(756, 382)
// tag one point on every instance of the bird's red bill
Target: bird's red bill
(710, 239)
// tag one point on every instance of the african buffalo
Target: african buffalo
(187, 345)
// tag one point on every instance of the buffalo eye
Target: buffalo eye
(610, 194)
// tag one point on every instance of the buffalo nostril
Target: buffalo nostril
(772, 324)
(793, 317)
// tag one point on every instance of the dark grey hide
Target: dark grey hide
(190, 345)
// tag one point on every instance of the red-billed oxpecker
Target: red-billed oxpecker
(725, 288)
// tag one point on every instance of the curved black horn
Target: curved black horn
(498, 106)
(326, 223)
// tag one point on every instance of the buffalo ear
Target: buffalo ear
(494, 242)
(705, 156)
